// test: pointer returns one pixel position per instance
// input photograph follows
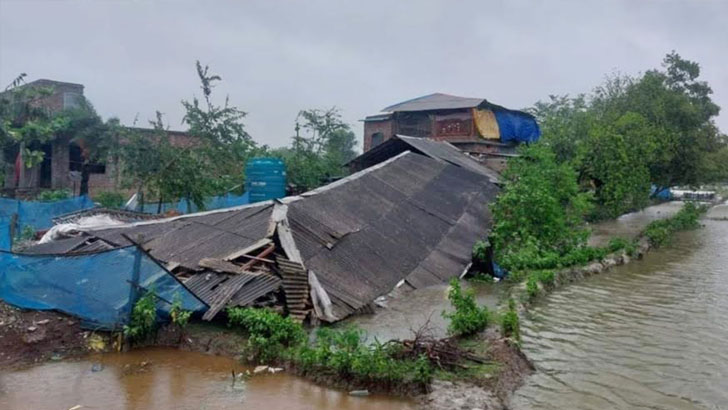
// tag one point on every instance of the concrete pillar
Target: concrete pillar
(59, 164)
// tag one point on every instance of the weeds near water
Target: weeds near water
(468, 318)
(660, 232)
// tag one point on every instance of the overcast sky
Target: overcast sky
(276, 57)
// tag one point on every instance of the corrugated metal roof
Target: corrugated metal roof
(415, 218)
(186, 240)
(436, 101)
(411, 218)
(209, 285)
(439, 150)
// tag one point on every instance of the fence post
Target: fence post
(135, 273)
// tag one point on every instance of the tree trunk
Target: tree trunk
(83, 190)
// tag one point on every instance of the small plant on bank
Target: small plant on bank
(510, 322)
(468, 318)
(481, 277)
(547, 278)
(659, 232)
(179, 316)
(346, 353)
(532, 289)
(270, 335)
(143, 321)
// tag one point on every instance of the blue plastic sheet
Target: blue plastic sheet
(5, 241)
(217, 202)
(39, 215)
(517, 126)
(665, 194)
(96, 288)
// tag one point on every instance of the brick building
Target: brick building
(63, 158)
(473, 125)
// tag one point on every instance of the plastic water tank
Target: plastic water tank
(265, 179)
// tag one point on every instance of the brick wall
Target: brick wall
(373, 127)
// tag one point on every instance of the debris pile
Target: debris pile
(407, 222)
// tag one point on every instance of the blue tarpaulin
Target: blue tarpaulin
(96, 288)
(517, 126)
(217, 202)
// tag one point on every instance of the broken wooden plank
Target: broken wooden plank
(262, 255)
(219, 265)
(235, 255)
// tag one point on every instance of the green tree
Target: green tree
(223, 144)
(631, 132)
(97, 140)
(318, 154)
(25, 122)
(540, 208)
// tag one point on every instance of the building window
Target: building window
(71, 100)
(377, 138)
(75, 161)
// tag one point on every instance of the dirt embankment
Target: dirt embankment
(487, 392)
(28, 337)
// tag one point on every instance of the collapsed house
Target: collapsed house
(407, 222)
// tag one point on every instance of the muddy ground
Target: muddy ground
(485, 393)
(29, 337)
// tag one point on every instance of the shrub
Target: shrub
(481, 277)
(539, 212)
(110, 199)
(269, 334)
(547, 277)
(54, 195)
(180, 317)
(143, 318)
(532, 286)
(617, 244)
(659, 232)
(468, 318)
(510, 322)
(480, 251)
(346, 353)
(26, 234)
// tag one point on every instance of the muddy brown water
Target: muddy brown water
(652, 334)
(162, 378)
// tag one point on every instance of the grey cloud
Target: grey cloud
(278, 57)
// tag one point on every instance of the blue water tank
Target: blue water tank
(265, 179)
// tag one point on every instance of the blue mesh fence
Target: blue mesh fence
(96, 287)
(5, 241)
(39, 215)
(217, 202)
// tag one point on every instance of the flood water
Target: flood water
(406, 313)
(169, 379)
(630, 225)
(652, 334)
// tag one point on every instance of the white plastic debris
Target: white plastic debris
(61, 231)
